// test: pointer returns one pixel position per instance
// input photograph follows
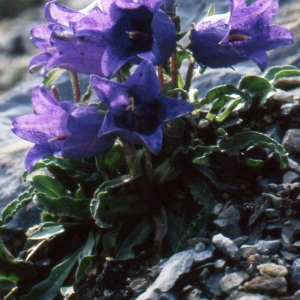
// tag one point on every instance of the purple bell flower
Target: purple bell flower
(61, 47)
(133, 31)
(243, 34)
(61, 129)
(136, 109)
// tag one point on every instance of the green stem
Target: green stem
(161, 76)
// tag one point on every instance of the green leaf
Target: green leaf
(5, 287)
(193, 95)
(137, 236)
(211, 10)
(202, 195)
(249, 138)
(202, 153)
(8, 266)
(255, 85)
(271, 73)
(287, 73)
(220, 91)
(49, 186)
(229, 108)
(254, 163)
(49, 288)
(14, 206)
(46, 230)
(111, 161)
(85, 257)
(63, 206)
(52, 75)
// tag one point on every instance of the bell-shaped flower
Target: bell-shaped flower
(61, 129)
(61, 47)
(136, 109)
(133, 30)
(244, 33)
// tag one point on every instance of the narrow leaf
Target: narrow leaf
(49, 186)
(270, 74)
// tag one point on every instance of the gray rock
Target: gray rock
(178, 264)
(232, 281)
(295, 274)
(290, 177)
(268, 247)
(226, 246)
(199, 247)
(247, 250)
(246, 296)
(291, 141)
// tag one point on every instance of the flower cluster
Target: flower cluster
(100, 39)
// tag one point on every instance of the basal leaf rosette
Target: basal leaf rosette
(60, 129)
(136, 109)
(244, 33)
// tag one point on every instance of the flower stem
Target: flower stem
(174, 72)
(161, 76)
(75, 86)
(55, 93)
(189, 75)
(188, 79)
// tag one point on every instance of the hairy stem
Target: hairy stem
(161, 76)
(75, 86)
(174, 72)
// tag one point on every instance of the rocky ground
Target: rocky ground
(252, 249)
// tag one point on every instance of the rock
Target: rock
(194, 294)
(213, 284)
(288, 256)
(232, 281)
(173, 268)
(246, 296)
(220, 264)
(290, 177)
(297, 295)
(268, 247)
(241, 240)
(247, 250)
(228, 220)
(226, 246)
(199, 247)
(295, 274)
(139, 285)
(272, 286)
(272, 270)
(291, 141)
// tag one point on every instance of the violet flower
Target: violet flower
(136, 109)
(243, 34)
(61, 129)
(132, 30)
(61, 47)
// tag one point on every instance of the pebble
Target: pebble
(291, 141)
(272, 286)
(226, 246)
(247, 250)
(272, 270)
(295, 276)
(268, 247)
(199, 247)
(232, 281)
(246, 296)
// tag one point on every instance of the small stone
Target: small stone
(295, 276)
(199, 247)
(288, 256)
(241, 240)
(268, 247)
(247, 250)
(194, 294)
(290, 177)
(246, 296)
(297, 295)
(217, 209)
(297, 245)
(291, 141)
(220, 264)
(139, 285)
(272, 286)
(232, 281)
(272, 213)
(272, 270)
(226, 246)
